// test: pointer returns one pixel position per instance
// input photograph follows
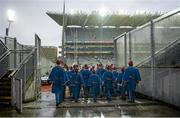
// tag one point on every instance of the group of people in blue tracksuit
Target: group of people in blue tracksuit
(91, 82)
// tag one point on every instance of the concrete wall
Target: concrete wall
(165, 86)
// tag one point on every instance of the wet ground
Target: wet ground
(45, 107)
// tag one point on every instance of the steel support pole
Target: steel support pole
(115, 52)
(125, 50)
(153, 59)
(15, 54)
(130, 47)
(38, 65)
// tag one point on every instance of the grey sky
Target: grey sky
(31, 17)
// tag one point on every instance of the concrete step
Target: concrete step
(5, 93)
(5, 80)
(5, 88)
(5, 99)
(4, 83)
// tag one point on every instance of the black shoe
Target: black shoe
(131, 101)
(57, 104)
(123, 97)
(109, 99)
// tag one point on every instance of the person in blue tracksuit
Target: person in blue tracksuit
(100, 71)
(108, 80)
(76, 82)
(115, 73)
(86, 73)
(58, 78)
(132, 76)
(69, 74)
(94, 83)
(119, 82)
(66, 68)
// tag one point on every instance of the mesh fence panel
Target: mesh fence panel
(23, 60)
(128, 45)
(166, 31)
(2, 48)
(30, 66)
(20, 54)
(20, 74)
(26, 70)
(2, 39)
(4, 64)
(160, 73)
(169, 57)
(10, 43)
(120, 51)
(141, 44)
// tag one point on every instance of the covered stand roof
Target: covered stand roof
(94, 19)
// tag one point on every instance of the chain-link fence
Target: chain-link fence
(120, 50)
(155, 50)
(3, 48)
(4, 58)
(4, 64)
(24, 61)
(140, 43)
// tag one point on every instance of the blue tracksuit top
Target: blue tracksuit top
(94, 80)
(119, 77)
(131, 73)
(100, 72)
(115, 73)
(86, 74)
(108, 78)
(58, 78)
(76, 80)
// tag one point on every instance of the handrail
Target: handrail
(4, 55)
(22, 63)
(4, 70)
(161, 50)
(167, 15)
(3, 44)
(169, 45)
(9, 37)
(121, 35)
(20, 51)
(157, 19)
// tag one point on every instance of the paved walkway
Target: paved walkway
(45, 107)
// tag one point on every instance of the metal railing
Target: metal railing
(155, 50)
(3, 48)
(25, 64)
(149, 39)
(26, 67)
(4, 57)
(24, 72)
